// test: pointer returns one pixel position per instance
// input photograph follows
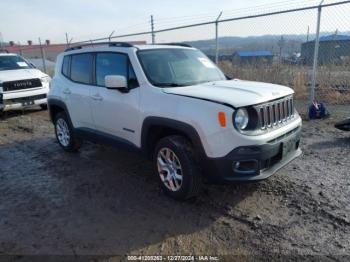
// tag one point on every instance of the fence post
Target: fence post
(315, 62)
(20, 48)
(67, 42)
(152, 30)
(217, 39)
(110, 36)
(42, 55)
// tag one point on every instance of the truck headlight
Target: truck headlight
(241, 119)
(45, 80)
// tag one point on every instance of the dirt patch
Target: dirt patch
(105, 201)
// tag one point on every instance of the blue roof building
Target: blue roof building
(259, 53)
(334, 38)
(252, 57)
(334, 49)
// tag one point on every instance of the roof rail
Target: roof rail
(177, 44)
(110, 44)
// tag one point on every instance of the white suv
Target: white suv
(174, 105)
(21, 84)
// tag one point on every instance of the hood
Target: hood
(20, 74)
(237, 93)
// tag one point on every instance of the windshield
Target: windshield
(178, 67)
(12, 62)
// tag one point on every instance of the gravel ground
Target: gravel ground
(105, 201)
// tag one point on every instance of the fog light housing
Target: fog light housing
(246, 167)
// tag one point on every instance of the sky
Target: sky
(23, 20)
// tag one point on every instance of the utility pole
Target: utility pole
(281, 43)
(308, 33)
(42, 55)
(67, 40)
(152, 30)
(317, 45)
(217, 39)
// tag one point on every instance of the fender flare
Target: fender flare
(182, 127)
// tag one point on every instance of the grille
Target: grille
(21, 84)
(275, 113)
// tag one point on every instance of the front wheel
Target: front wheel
(64, 133)
(176, 168)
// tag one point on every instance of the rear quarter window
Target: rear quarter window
(65, 66)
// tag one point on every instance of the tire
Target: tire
(182, 163)
(64, 133)
(43, 106)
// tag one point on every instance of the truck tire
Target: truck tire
(175, 165)
(65, 133)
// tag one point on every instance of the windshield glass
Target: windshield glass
(12, 62)
(178, 67)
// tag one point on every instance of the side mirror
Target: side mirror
(116, 82)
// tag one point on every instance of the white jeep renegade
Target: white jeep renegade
(174, 105)
(21, 84)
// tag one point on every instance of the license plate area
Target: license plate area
(288, 146)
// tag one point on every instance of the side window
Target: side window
(110, 64)
(65, 66)
(81, 68)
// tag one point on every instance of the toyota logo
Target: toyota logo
(23, 84)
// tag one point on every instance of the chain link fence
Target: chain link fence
(274, 45)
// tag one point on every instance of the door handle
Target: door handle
(66, 91)
(97, 97)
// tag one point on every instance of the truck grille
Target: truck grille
(275, 113)
(21, 84)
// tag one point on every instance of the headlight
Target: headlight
(45, 80)
(241, 119)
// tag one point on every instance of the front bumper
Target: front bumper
(254, 163)
(23, 102)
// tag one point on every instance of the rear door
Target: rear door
(78, 69)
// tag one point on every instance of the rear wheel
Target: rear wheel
(64, 133)
(176, 168)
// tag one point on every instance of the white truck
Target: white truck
(21, 84)
(177, 107)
